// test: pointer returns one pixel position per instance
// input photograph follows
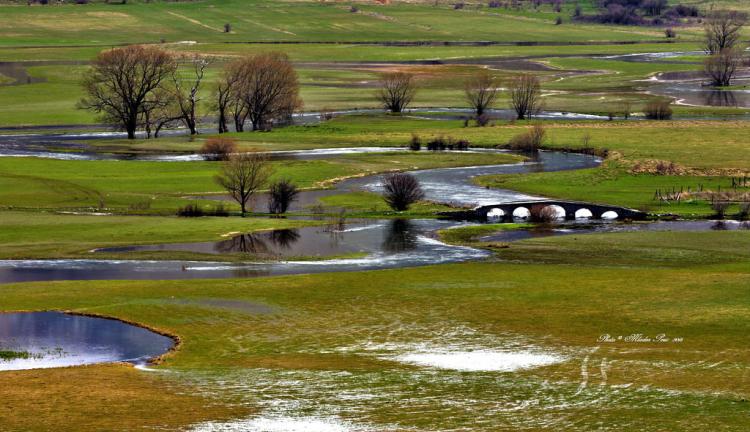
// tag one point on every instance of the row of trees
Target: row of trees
(481, 90)
(146, 88)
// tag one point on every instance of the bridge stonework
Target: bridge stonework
(570, 207)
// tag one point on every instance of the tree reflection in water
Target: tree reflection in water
(720, 98)
(400, 236)
(258, 243)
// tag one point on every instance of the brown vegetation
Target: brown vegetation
(218, 149)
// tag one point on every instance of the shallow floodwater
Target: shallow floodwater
(391, 244)
(454, 185)
(56, 339)
(369, 236)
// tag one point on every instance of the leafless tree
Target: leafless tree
(723, 30)
(397, 90)
(228, 101)
(525, 95)
(481, 91)
(122, 80)
(243, 175)
(186, 96)
(269, 88)
(721, 67)
(401, 190)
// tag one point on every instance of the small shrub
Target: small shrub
(438, 143)
(744, 210)
(227, 28)
(529, 141)
(190, 210)
(558, 20)
(542, 213)
(218, 149)
(280, 195)
(354, 9)
(401, 190)
(658, 110)
(719, 207)
(462, 144)
(483, 120)
(459, 5)
(416, 143)
(493, 4)
(670, 33)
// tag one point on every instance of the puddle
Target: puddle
(480, 361)
(56, 339)
(282, 424)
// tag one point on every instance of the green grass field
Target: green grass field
(228, 354)
(648, 331)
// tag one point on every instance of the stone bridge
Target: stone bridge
(561, 209)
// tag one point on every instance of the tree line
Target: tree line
(144, 88)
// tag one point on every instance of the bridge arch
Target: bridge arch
(583, 213)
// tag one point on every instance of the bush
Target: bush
(218, 149)
(493, 4)
(658, 110)
(744, 210)
(280, 195)
(227, 28)
(416, 143)
(558, 21)
(401, 191)
(542, 213)
(459, 5)
(190, 210)
(194, 210)
(354, 9)
(719, 207)
(483, 120)
(529, 141)
(670, 33)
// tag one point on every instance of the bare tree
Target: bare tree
(525, 95)
(401, 190)
(720, 68)
(187, 97)
(227, 96)
(121, 82)
(723, 30)
(242, 175)
(397, 90)
(269, 89)
(481, 91)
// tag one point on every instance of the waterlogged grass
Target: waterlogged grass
(44, 235)
(614, 185)
(6, 355)
(369, 204)
(161, 187)
(468, 234)
(318, 337)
